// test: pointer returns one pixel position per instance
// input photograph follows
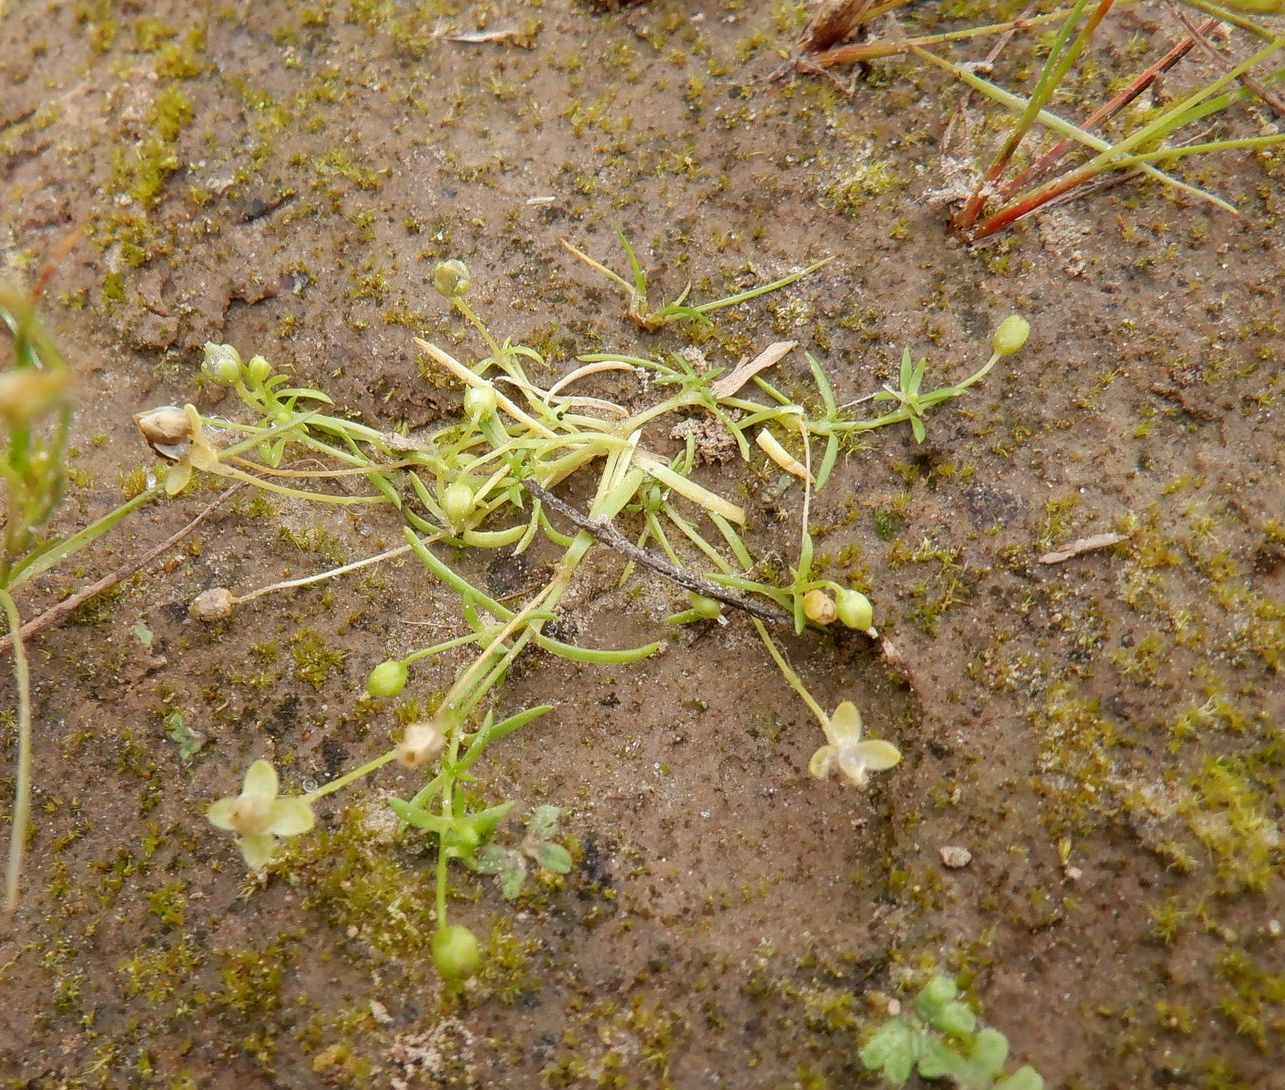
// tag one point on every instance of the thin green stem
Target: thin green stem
(348, 777)
(788, 670)
(22, 789)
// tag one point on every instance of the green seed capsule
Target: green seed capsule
(457, 503)
(455, 952)
(387, 679)
(451, 279)
(258, 370)
(1010, 335)
(855, 610)
(707, 607)
(222, 364)
(479, 403)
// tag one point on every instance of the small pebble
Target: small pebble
(954, 857)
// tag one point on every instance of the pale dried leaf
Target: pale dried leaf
(1082, 545)
(744, 371)
(477, 37)
(833, 22)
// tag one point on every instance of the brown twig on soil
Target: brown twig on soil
(67, 606)
(605, 532)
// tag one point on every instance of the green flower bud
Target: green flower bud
(387, 679)
(855, 610)
(222, 363)
(450, 279)
(818, 607)
(259, 370)
(1010, 335)
(479, 402)
(455, 952)
(707, 607)
(457, 503)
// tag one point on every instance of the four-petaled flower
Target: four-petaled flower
(175, 434)
(846, 754)
(258, 816)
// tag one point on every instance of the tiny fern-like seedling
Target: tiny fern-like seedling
(939, 1038)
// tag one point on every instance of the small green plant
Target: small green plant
(35, 421)
(509, 865)
(940, 1038)
(641, 312)
(1008, 188)
(488, 481)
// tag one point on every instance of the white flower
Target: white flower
(846, 754)
(258, 816)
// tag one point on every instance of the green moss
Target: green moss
(1228, 813)
(161, 975)
(363, 886)
(1256, 1001)
(169, 903)
(314, 657)
(943, 590)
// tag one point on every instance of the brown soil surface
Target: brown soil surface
(1104, 735)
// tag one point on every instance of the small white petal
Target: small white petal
(256, 850)
(260, 781)
(822, 762)
(843, 728)
(878, 754)
(221, 813)
(290, 817)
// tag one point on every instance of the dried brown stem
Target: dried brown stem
(1275, 104)
(67, 606)
(605, 532)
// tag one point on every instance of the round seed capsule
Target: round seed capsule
(455, 952)
(706, 607)
(1010, 335)
(259, 370)
(387, 679)
(222, 364)
(819, 607)
(212, 605)
(451, 278)
(479, 402)
(457, 503)
(855, 610)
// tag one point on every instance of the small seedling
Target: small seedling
(641, 312)
(939, 1037)
(509, 865)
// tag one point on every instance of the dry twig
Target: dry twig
(67, 606)
(605, 532)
